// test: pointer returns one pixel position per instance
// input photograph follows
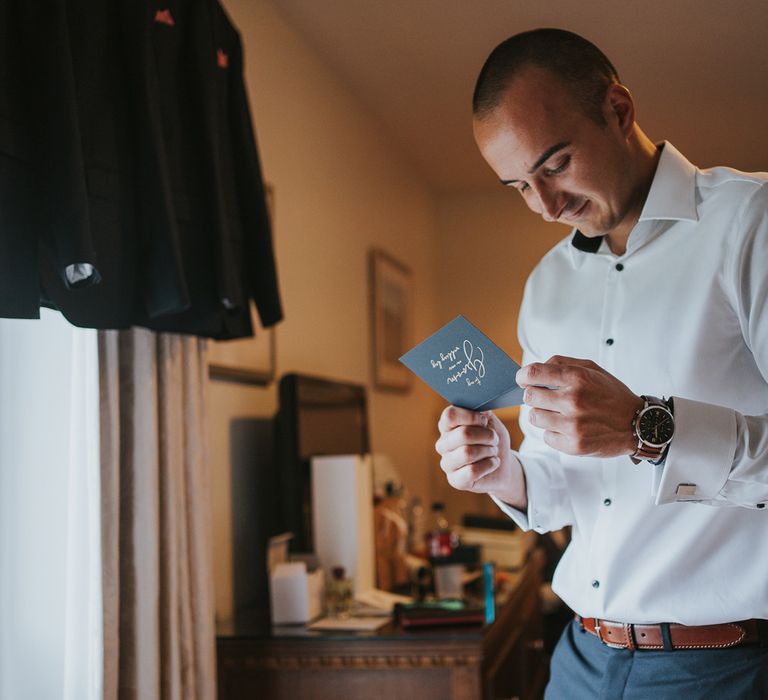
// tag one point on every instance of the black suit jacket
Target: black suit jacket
(146, 169)
(242, 211)
(206, 152)
(19, 287)
(90, 172)
(43, 203)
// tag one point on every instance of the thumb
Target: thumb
(499, 428)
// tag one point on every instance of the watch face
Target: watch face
(656, 426)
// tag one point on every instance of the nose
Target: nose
(551, 203)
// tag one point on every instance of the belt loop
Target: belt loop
(666, 637)
(762, 633)
(629, 630)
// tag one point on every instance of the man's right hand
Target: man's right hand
(476, 455)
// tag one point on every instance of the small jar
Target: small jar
(338, 594)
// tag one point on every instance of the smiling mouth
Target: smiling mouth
(573, 216)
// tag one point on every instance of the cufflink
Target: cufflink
(686, 490)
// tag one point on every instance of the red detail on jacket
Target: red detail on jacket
(165, 17)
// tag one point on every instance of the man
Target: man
(660, 290)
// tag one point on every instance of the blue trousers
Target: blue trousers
(583, 668)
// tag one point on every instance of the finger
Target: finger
(453, 416)
(466, 455)
(465, 435)
(549, 420)
(467, 478)
(485, 468)
(541, 397)
(499, 428)
(567, 444)
(541, 374)
(574, 361)
(552, 376)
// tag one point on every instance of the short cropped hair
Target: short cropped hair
(582, 67)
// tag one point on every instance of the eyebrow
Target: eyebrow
(543, 158)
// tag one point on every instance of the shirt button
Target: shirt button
(595, 584)
(607, 502)
(619, 267)
(609, 341)
(761, 505)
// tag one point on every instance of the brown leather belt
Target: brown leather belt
(670, 636)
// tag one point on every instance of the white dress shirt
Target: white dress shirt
(683, 313)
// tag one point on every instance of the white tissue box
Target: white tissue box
(296, 595)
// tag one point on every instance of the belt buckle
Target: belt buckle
(598, 630)
(612, 643)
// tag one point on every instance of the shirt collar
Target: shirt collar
(672, 196)
(673, 191)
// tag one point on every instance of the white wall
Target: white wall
(488, 244)
(340, 188)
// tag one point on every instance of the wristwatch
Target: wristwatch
(654, 427)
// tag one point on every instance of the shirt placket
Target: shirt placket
(606, 499)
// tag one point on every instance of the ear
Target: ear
(619, 108)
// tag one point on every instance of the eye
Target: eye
(519, 185)
(564, 163)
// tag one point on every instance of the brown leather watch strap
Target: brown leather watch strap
(647, 452)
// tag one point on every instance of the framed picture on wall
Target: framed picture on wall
(249, 360)
(391, 301)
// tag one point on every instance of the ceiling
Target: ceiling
(698, 69)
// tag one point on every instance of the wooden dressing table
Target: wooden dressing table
(503, 660)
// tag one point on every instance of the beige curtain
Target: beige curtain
(156, 554)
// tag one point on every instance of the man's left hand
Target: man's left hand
(582, 409)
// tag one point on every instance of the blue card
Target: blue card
(466, 367)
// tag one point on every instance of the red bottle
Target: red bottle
(440, 539)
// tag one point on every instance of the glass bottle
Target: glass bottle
(440, 539)
(338, 594)
(416, 534)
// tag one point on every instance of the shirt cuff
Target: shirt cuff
(540, 504)
(701, 454)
